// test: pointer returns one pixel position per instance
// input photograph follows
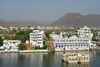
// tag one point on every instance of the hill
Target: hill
(25, 23)
(69, 19)
(77, 20)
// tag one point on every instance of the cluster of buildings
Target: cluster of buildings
(36, 39)
(27, 27)
(80, 42)
(42, 28)
(3, 28)
(71, 43)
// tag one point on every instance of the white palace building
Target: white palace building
(86, 33)
(71, 43)
(36, 38)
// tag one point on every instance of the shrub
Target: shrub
(1, 41)
(22, 46)
(37, 47)
(44, 46)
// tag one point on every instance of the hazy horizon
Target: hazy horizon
(45, 10)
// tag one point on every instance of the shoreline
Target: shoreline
(39, 51)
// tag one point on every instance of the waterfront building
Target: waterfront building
(86, 32)
(75, 58)
(36, 38)
(11, 44)
(83, 42)
(71, 43)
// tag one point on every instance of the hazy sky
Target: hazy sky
(50, 10)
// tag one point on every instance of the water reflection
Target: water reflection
(64, 64)
(45, 60)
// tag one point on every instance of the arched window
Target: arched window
(56, 46)
(59, 46)
(84, 57)
(62, 46)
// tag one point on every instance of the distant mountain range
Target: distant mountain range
(25, 23)
(77, 20)
(69, 19)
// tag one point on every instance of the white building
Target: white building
(32, 28)
(86, 32)
(3, 28)
(71, 43)
(24, 28)
(11, 28)
(11, 44)
(36, 38)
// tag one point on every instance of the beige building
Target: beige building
(75, 58)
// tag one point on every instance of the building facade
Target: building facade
(36, 38)
(71, 43)
(86, 33)
(11, 44)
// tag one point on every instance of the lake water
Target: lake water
(45, 60)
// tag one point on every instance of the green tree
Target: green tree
(27, 32)
(47, 33)
(22, 46)
(26, 37)
(8, 36)
(14, 30)
(37, 47)
(22, 35)
(57, 32)
(44, 46)
(1, 41)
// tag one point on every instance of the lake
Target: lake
(45, 59)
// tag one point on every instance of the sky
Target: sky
(50, 10)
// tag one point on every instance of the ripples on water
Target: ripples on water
(45, 60)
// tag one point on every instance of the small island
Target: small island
(75, 58)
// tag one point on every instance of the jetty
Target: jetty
(75, 58)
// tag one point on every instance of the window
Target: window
(59, 46)
(14, 42)
(62, 46)
(39, 42)
(56, 46)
